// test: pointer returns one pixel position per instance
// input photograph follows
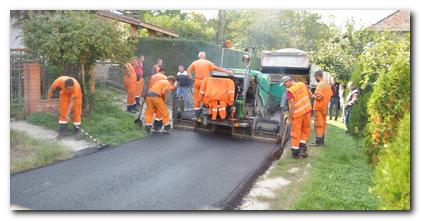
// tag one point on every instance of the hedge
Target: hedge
(389, 102)
(181, 51)
(392, 175)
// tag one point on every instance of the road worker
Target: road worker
(321, 97)
(155, 100)
(157, 66)
(138, 67)
(202, 69)
(129, 80)
(160, 75)
(298, 95)
(70, 101)
(217, 94)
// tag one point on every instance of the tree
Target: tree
(274, 29)
(192, 26)
(77, 37)
(340, 52)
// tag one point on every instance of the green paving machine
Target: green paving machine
(248, 117)
(260, 99)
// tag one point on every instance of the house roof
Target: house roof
(137, 22)
(397, 21)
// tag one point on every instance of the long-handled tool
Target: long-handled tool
(138, 119)
(100, 144)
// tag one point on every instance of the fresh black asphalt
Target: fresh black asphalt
(185, 170)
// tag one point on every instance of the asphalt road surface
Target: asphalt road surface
(185, 170)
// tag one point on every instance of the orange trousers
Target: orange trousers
(139, 87)
(215, 109)
(64, 102)
(300, 129)
(154, 104)
(196, 93)
(131, 91)
(320, 122)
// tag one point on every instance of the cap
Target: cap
(285, 79)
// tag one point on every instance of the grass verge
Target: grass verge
(106, 122)
(27, 152)
(340, 178)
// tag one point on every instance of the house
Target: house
(399, 21)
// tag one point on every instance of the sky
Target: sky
(362, 18)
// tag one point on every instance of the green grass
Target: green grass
(106, 122)
(340, 178)
(27, 152)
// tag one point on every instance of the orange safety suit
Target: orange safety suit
(301, 115)
(217, 94)
(129, 80)
(155, 101)
(201, 68)
(155, 78)
(64, 100)
(323, 93)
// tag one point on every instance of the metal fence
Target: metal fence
(18, 57)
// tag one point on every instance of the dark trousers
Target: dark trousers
(334, 106)
(347, 116)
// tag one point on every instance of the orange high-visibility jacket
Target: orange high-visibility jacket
(323, 89)
(214, 89)
(59, 83)
(161, 87)
(301, 99)
(201, 68)
(155, 78)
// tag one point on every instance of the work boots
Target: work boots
(137, 99)
(157, 125)
(62, 131)
(77, 132)
(295, 153)
(317, 142)
(167, 129)
(323, 140)
(130, 108)
(303, 150)
(148, 129)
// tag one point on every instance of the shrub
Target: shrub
(182, 51)
(393, 172)
(390, 100)
(377, 59)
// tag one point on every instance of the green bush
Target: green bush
(393, 172)
(377, 59)
(181, 51)
(390, 100)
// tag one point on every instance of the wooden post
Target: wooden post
(134, 32)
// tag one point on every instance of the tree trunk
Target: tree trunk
(85, 88)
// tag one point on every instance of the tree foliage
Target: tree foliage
(192, 26)
(392, 175)
(391, 98)
(377, 60)
(77, 37)
(274, 29)
(340, 53)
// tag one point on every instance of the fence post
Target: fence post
(32, 88)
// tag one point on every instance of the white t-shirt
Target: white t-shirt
(182, 73)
